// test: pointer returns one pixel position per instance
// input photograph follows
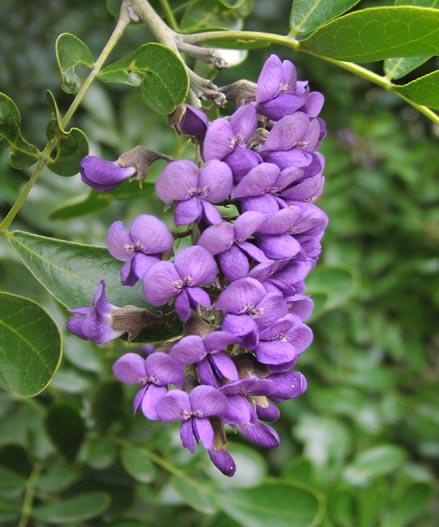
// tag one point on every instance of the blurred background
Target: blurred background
(365, 435)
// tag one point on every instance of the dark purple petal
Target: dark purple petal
(130, 369)
(241, 161)
(244, 122)
(247, 224)
(118, 241)
(187, 212)
(172, 406)
(104, 175)
(159, 283)
(253, 252)
(189, 350)
(268, 413)
(275, 352)
(151, 235)
(215, 181)
(137, 402)
(194, 122)
(279, 246)
(198, 297)
(257, 182)
(242, 326)
(287, 132)
(218, 340)
(272, 307)
(225, 365)
(308, 189)
(249, 386)
(260, 434)
(218, 141)
(234, 264)
(153, 395)
(270, 79)
(187, 436)
(127, 274)
(239, 295)
(278, 328)
(196, 265)
(289, 385)
(163, 369)
(301, 306)
(177, 181)
(300, 336)
(203, 432)
(208, 401)
(223, 461)
(239, 410)
(183, 306)
(280, 222)
(281, 106)
(217, 238)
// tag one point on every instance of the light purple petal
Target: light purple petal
(314, 103)
(210, 213)
(223, 461)
(183, 306)
(187, 212)
(267, 204)
(311, 137)
(225, 366)
(301, 306)
(242, 326)
(275, 352)
(216, 180)
(247, 224)
(198, 297)
(151, 235)
(176, 181)
(218, 340)
(74, 325)
(300, 337)
(239, 295)
(137, 402)
(164, 369)
(172, 406)
(187, 436)
(308, 189)
(159, 283)
(204, 431)
(141, 264)
(279, 246)
(270, 79)
(104, 175)
(189, 350)
(130, 369)
(196, 263)
(287, 132)
(281, 106)
(257, 182)
(218, 141)
(280, 222)
(217, 238)
(239, 411)
(208, 400)
(278, 328)
(272, 307)
(288, 176)
(260, 434)
(118, 241)
(241, 161)
(153, 395)
(206, 373)
(233, 264)
(244, 122)
(292, 158)
(253, 252)
(289, 74)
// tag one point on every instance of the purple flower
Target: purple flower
(283, 341)
(226, 139)
(194, 189)
(229, 244)
(192, 267)
(214, 365)
(268, 412)
(139, 247)
(260, 434)
(104, 175)
(193, 411)
(282, 276)
(194, 122)
(279, 94)
(288, 385)
(248, 307)
(154, 374)
(223, 461)
(94, 323)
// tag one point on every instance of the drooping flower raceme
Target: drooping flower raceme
(239, 286)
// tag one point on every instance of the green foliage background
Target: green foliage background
(364, 437)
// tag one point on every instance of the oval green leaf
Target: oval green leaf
(374, 462)
(30, 345)
(71, 54)
(274, 503)
(307, 15)
(80, 508)
(158, 71)
(137, 464)
(424, 90)
(378, 33)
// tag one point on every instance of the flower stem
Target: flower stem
(44, 157)
(26, 509)
(292, 43)
(169, 14)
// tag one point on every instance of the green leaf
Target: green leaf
(424, 90)
(71, 271)
(98, 452)
(201, 15)
(30, 345)
(160, 74)
(378, 33)
(203, 502)
(307, 15)
(72, 53)
(374, 462)
(72, 145)
(399, 67)
(58, 477)
(8, 510)
(79, 508)
(137, 464)
(274, 503)
(412, 504)
(329, 287)
(23, 154)
(66, 429)
(11, 481)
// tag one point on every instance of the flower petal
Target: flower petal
(159, 283)
(208, 401)
(292, 158)
(239, 295)
(183, 306)
(272, 307)
(198, 297)
(172, 406)
(223, 461)
(164, 369)
(194, 122)
(187, 436)
(308, 189)
(217, 238)
(187, 212)
(314, 103)
(216, 177)
(218, 141)
(218, 340)
(267, 204)
(289, 385)
(195, 262)
(141, 264)
(210, 214)
(247, 224)
(104, 175)
(287, 132)
(242, 326)
(204, 431)
(130, 369)
(225, 365)
(244, 122)
(282, 105)
(270, 79)
(118, 241)
(257, 182)
(241, 161)
(153, 395)
(234, 264)
(151, 234)
(177, 180)
(280, 222)
(189, 350)
(301, 306)
(278, 246)
(137, 402)
(260, 434)
(300, 336)
(239, 411)
(275, 352)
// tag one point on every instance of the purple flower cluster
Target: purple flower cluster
(239, 289)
